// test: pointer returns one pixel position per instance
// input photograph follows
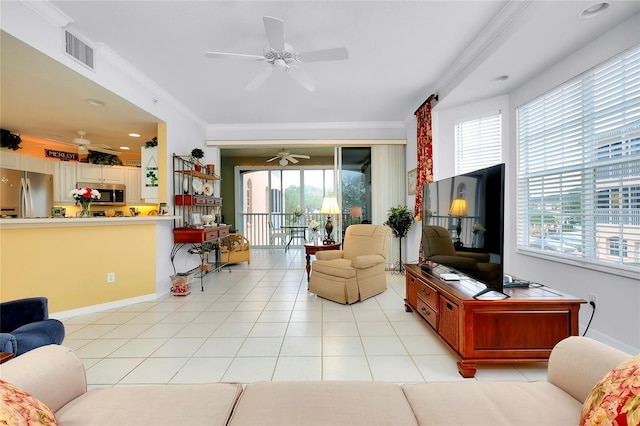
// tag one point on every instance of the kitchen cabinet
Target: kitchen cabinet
(64, 180)
(132, 182)
(93, 173)
(11, 160)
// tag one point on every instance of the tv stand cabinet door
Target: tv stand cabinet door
(448, 326)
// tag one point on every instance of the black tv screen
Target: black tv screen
(470, 207)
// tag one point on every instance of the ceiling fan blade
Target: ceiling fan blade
(222, 55)
(260, 78)
(274, 158)
(336, 54)
(306, 157)
(304, 79)
(274, 28)
(291, 159)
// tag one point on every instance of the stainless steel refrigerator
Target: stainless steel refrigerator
(25, 194)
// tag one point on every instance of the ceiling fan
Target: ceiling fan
(286, 157)
(85, 145)
(281, 56)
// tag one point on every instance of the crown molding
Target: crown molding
(49, 12)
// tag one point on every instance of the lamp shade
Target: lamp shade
(355, 211)
(458, 207)
(330, 206)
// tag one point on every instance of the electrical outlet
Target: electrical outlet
(593, 298)
(111, 277)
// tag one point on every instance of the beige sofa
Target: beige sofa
(55, 376)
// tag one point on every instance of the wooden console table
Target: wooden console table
(310, 249)
(521, 328)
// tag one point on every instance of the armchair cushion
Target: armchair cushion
(335, 267)
(367, 261)
(8, 343)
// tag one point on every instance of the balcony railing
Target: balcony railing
(255, 226)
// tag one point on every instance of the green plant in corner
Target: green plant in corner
(399, 220)
(96, 157)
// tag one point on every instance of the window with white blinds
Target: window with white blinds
(478, 143)
(579, 167)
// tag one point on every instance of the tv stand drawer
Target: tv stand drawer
(426, 312)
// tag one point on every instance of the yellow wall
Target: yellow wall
(69, 265)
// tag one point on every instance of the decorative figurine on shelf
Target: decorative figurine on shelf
(197, 154)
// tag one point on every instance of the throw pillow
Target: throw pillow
(17, 407)
(615, 399)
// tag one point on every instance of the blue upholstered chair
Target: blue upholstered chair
(25, 325)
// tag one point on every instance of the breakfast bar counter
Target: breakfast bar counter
(54, 222)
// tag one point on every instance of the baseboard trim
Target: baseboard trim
(103, 306)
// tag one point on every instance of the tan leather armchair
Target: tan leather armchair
(235, 249)
(357, 272)
(438, 247)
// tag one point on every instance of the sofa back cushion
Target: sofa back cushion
(365, 239)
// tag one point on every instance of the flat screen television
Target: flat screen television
(470, 207)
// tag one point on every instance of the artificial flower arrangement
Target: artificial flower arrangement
(84, 197)
(477, 227)
(314, 225)
(297, 212)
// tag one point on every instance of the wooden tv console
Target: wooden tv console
(521, 328)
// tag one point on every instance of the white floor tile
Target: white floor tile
(137, 348)
(375, 328)
(342, 346)
(342, 328)
(304, 329)
(154, 370)
(220, 347)
(179, 347)
(260, 346)
(110, 371)
(301, 346)
(345, 368)
(291, 368)
(248, 370)
(386, 345)
(100, 348)
(268, 329)
(396, 369)
(202, 370)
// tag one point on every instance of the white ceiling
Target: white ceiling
(399, 53)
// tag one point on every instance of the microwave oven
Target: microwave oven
(110, 194)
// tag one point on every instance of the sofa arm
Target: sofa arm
(329, 254)
(577, 363)
(366, 261)
(52, 373)
(8, 343)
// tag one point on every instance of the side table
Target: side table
(5, 356)
(310, 249)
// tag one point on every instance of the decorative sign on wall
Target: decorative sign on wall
(131, 162)
(62, 155)
(151, 171)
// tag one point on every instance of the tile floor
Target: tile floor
(260, 323)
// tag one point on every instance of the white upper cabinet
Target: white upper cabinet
(93, 173)
(11, 160)
(132, 181)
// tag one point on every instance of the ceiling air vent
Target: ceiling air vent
(78, 49)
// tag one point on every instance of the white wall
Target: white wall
(41, 27)
(617, 318)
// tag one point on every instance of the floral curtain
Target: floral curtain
(424, 172)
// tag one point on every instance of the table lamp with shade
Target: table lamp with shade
(329, 207)
(458, 209)
(355, 212)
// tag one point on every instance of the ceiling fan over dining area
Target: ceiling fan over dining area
(285, 157)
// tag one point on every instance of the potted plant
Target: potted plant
(10, 140)
(399, 220)
(153, 142)
(197, 154)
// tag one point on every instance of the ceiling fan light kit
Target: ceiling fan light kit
(285, 157)
(281, 56)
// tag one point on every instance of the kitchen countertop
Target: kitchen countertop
(54, 222)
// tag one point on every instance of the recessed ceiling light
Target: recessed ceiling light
(124, 147)
(593, 10)
(94, 102)
(134, 135)
(500, 79)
